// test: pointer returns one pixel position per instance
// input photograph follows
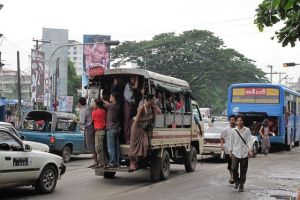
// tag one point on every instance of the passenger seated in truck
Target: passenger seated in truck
(170, 104)
(180, 104)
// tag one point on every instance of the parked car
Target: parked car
(34, 145)
(59, 130)
(212, 139)
(22, 166)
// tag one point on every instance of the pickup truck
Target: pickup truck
(59, 130)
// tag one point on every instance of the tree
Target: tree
(74, 82)
(270, 12)
(196, 56)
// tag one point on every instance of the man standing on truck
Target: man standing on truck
(113, 130)
(240, 151)
(225, 143)
(86, 125)
(99, 119)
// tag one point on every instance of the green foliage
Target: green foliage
(74, 82)
(270, 12)
(196, 56)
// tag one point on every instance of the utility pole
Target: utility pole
(280, 73)
(271, 72)
(39, 41)
(1, 64)
(19, 86)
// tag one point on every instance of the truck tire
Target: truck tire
(66, 153)
(288, 147)
(109, 174)
(190, 160)
(47, 180)
(160, 167)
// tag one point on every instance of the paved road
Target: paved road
(275, 175)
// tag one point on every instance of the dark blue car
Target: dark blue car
(59, 130)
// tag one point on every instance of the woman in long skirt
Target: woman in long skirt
(141, 130)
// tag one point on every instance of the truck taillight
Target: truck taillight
(52, 139)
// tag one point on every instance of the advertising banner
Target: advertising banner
(96, 56)
(37, 75)
(65, 103)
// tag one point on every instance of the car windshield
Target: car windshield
(213, 130)
(65, 125)
(220, 125)
(216, 127)
(35, 125)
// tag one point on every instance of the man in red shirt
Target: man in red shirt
(99, 119)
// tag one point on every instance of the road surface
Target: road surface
(276, 176)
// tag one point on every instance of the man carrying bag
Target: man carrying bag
(240, 151)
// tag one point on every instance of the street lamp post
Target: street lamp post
(106, 43)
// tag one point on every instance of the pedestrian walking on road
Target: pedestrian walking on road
(264, 135)
(240, 151)
(99, 119)
(86, 125)
(225, 143)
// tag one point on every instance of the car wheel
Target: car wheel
(47, 180)
(66, 154)
(255, 149)
(190, 160)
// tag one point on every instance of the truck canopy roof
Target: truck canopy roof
(166, 82)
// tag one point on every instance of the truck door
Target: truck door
(197, 121)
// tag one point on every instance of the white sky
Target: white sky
(231, 20)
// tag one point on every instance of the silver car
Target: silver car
(212, 139)
(34, 145)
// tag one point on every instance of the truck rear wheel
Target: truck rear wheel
(160, 167)
(109, 174)
(66, 153)
(190, 160)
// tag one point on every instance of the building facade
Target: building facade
(56, 69)
(75, 56)
(9, 87)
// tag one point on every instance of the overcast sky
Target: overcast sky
(231, 20)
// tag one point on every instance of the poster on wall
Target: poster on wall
(96, 56)
(37, 75)
(65, 103)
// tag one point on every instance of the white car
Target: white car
(22, 166)
(212, 139)
(34, 145)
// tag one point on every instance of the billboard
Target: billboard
(95, 56)
(65, 103)
(37, 75)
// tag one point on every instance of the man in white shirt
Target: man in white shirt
(240, 151)
(225, 143)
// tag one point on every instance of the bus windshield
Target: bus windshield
(255, 95)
